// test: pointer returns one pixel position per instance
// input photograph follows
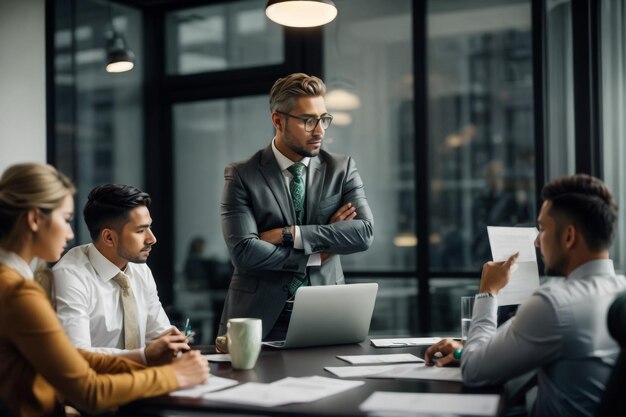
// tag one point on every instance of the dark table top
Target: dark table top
(276, 364)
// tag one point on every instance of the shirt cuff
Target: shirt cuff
(297, 239)
(315, 259)
(142, 354)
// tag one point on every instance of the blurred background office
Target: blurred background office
(457, 112)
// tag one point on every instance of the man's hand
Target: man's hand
(275, 236)
(345, 212)
(163, 349)
(495, 275)
(446, 347)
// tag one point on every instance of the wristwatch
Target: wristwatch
(287, 236)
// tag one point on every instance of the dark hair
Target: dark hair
(586, 202)
(108, 206)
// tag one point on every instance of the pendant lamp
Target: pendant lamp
(301, 13)
(119, 57)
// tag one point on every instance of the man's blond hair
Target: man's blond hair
(286, 90)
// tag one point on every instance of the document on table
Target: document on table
(403, 342)
(421, 371)
(524, 278)
(217, 357)
(361, 371)
(214, 383)
(373, 359)
(431, 404)
(285, 391)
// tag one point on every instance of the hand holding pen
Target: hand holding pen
(165, 347)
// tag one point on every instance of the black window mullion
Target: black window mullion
(585, 14)
(422, 175)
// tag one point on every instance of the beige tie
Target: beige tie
(131, 331)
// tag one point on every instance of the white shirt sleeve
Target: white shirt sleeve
(315, 259)
(493, 355)
(72, 302)
(156, 320)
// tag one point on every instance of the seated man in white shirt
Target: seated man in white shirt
(96, 311)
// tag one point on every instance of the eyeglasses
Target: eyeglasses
(310, 123)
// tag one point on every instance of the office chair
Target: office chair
(613, 401)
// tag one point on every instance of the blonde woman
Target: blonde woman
(39, 367)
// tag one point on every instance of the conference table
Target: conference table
(274, 364)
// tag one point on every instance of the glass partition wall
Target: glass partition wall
(210, 85)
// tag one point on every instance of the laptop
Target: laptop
(329, 315)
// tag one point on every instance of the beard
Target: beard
(136, 258)
(556, 269)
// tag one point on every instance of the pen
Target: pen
(187, 328)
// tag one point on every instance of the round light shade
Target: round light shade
(119, 57)
(301, 13)
(341, 99)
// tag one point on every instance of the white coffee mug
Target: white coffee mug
(244, 342)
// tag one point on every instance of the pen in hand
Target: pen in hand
(187, 328)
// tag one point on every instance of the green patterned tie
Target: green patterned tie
(296, 187)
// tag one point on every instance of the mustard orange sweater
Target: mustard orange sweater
(39, 367)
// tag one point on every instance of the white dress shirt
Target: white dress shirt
(89, 304)
(284, 163)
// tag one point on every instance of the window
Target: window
(221, 37)
(481, 142)
(99, 116)
(613, 104)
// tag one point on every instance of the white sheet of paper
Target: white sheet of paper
(421, 371)
(284, 391)
(217, 357)
(524, 279)
(214, 383)
(403, 342)
(444, 404)
(361, 371)
(316, 387)
(252, 393)
(373, 359)
(505, 241)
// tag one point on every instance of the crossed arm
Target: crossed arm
(349, 229)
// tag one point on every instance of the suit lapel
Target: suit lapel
(274, 177)
(315, 184)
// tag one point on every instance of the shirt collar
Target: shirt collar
(105, 269)
(16, 262)
(283, 161)
(596, 267)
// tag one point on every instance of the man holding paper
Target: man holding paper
(560, 331)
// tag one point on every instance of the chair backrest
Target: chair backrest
(614, 401)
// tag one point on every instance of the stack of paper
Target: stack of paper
(373, 359)
(403, 403)
(422, 371)
(285, 391)
(404, 342)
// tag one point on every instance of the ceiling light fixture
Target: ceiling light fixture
(119, 57)
(301, 13)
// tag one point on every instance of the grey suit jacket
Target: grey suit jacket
(256, 199)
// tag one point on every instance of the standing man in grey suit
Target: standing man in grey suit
(290, 210)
